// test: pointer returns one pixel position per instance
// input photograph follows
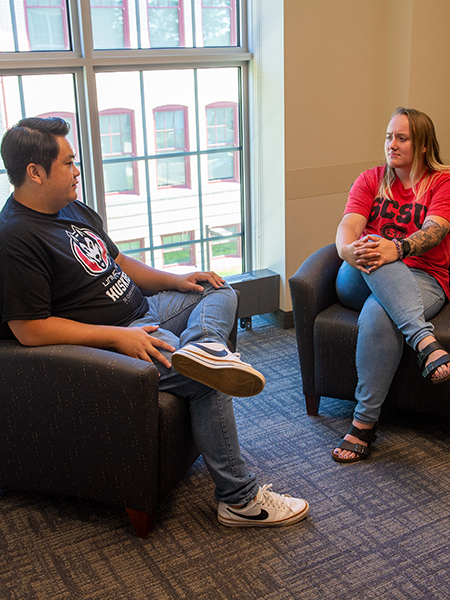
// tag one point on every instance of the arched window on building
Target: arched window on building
(118, 140)
(222, 132)
(46, 22)
(171, 126)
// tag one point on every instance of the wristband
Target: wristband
(399, 248)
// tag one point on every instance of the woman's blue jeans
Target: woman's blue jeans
(206, 316)
(396, 303)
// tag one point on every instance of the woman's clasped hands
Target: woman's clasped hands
(371, 252)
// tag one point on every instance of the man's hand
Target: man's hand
(189, 282)
(138, 343)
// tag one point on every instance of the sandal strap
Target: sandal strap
(432, 366)
(422, 355)
(366, 435)
(358, 449)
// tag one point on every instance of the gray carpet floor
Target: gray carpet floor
(379, 529)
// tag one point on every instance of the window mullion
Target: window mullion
(199, 176)
(245, 165)
(84, 41)
(94, 142)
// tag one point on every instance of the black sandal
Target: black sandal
(429, 370)
(362, 452)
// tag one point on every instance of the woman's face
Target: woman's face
(398, 145)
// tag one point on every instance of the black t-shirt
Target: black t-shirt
(62, 265)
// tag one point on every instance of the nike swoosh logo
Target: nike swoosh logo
(211, 351)
(261, 517)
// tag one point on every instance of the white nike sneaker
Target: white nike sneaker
(214, 365)
(268, 509)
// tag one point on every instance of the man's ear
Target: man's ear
(35, 172)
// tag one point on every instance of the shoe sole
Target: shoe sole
(347, 460)
(440, 380)
(232, 381)
(291, 521)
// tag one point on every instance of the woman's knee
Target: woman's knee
(351, 289)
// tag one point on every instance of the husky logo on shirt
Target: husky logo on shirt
(89, 250)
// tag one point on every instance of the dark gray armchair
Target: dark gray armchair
(90, 423)
(326, 338)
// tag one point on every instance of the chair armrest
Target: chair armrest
(313, 285)
(79, 421)
(312, 291)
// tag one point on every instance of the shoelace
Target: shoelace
(271, 498)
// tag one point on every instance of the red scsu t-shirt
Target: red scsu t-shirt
(403, 215)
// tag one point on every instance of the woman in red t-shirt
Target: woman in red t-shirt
(393, 240)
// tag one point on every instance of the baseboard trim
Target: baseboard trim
(281, 318)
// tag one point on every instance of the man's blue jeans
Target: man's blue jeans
(396, 303)
(192, 317)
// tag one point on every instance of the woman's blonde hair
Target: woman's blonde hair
(423, 135)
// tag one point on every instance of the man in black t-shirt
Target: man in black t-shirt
(64, 281)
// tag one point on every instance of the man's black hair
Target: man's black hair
(32, 140)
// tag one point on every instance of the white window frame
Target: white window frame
(84, 63)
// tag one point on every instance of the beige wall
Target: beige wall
(347, 66)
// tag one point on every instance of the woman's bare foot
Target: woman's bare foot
(347, 454)
(442, 371)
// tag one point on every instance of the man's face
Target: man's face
(60, 185)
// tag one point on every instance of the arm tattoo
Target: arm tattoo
(428, 237)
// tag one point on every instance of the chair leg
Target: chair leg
(142, 522)
(312, 405)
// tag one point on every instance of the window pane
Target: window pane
(171, 171)
(108, 25)
(219, 93)
(118, 177)
(118, 140)
(225, 256)
(45, 27)
(118, 24)
(5, 187)
(164, 27)
(164, 23)
(169, 194)
(26, 91)
(216, 27)
(221, 166)
(179, 254)
(38, 26)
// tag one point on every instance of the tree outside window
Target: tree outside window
(110, 24)
(165, 23)
(219, 22)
